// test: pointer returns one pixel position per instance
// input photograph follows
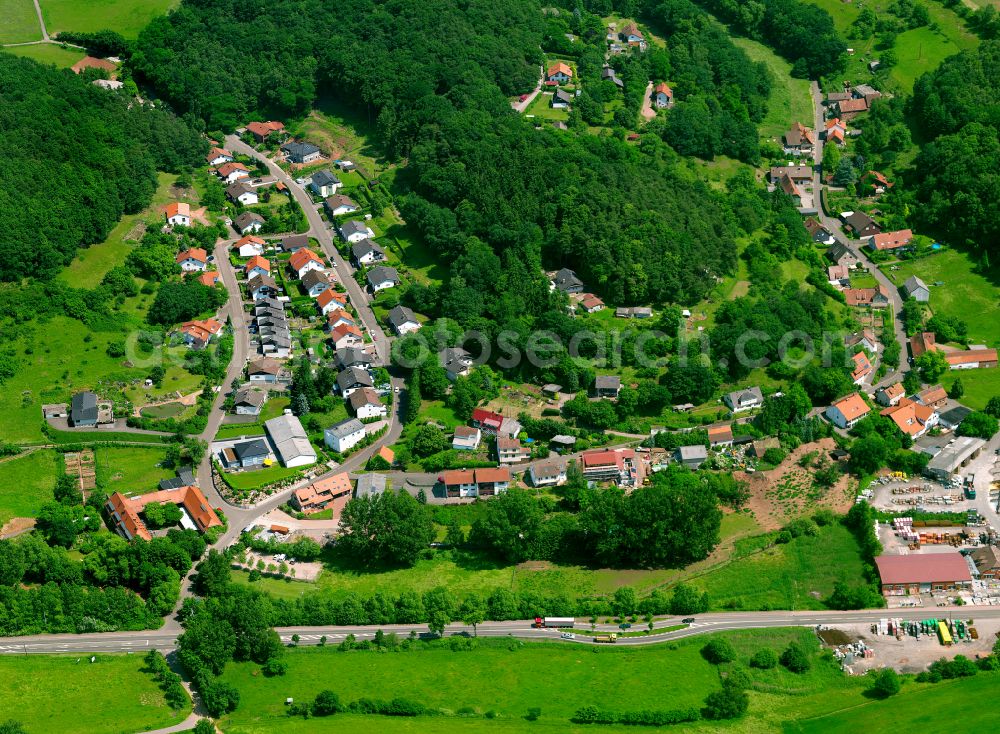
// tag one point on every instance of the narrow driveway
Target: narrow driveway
(319, 230)
(647, 111)
(521, 105)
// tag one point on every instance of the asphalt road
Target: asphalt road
(110, 642)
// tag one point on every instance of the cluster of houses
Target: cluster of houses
(285, 441)
(333, 492)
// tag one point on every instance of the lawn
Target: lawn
(966, 293)
(260, 477)
(70, 695)
(26, 483)
(20, 22)
(127, 17)
(790, 100)
(787, 576)
(916, 708)
(48, 53)
(541, 109)
(980, 386)
(130, 470)
(557, 678)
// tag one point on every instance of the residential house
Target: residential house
(354, 357)
(353, 379)
(798, 174)
(876, 183)
(232, 172)
(246, 454)
(740, 400)
(354, 230)
(922, 341)
(847, 411)
(240, 192)
(262, 286)
(871, 297)
(272, 328)
(934, 396)
(250, 246)
(841, 254)
(866, 92)
(371, 485)
(338, 204)
(261, 131)
(218, 156)
(836, 131)
(663, 96)
(861, 368)
(820, 234)
(607, 73)
(209, 278)
(631, 35)
(123, 512)
(838, 275)
(491, 482)
(197, 334)
(559, 72)
(720, 436)
(290, 441)
(800, 139)
(330, 300)
(865, 338)
(298, 152)
(547, 474)
(466, 438)
(987, 560)
(860, 224)
(264, 371)
(487, 421)
(178, 214)
(257, 265)
(366, 404)
(566, 281)
(911, 417)
(791, 189)
(338, 317)
(562, 442)
(322, 493)
(456, 361)
(195, 259)
(402, 320)
(345, 435)
(848, 109)
(973, 358)
(561, 99)
(249, 400)
(915, 288)
(607, 386)
(83, 410)
(249, 222)
(476, 482)
(304, 260)
(346, 335)
(315, 282)
(692, 456)
(324, 183)
(381, 278)
(510, 451)
(895, 241)
(611, 465)
(367, 252)
(294, 242)
(591, 303)
(890, 395)
(388, 454)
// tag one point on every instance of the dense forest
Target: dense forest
(76, 158)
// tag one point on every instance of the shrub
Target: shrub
(718, 651)
(886, 683)
(326, 703)
(795, 659)
(764, 659)
(728, 703)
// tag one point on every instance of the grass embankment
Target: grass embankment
(70, 695)
(26, 483)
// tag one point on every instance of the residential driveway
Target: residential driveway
(647, 112)
(520, 106)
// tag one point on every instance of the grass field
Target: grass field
(789, 101)
(127, 17)
(26, 483)
(980, 386)
(70, 695)
(20, 22)
(789, 576)
(557, 678)
(48, 53)
(251, 479)
(130, 470)
(542, 111)
(966, 293)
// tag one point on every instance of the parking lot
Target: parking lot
(899, 493)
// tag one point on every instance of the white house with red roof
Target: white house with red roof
(178, 214)
(195, 259)
(218, 156)
(847, 411)
(305, 260)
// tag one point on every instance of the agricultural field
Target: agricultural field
(70, 695)
(26, 483)
(966, 293)
(557, 678)
(466, 572)
(48, 53)
(790, 100)
(127, 17)
(130, 470)
(20, 22)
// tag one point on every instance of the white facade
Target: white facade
(179, 220)
(190, 265)
(346, 442)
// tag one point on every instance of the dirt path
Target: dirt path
(647, 112)
(520, 106)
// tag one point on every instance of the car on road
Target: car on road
(568, 636)
(688, 620)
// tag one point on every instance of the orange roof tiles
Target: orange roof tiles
(852, 406)
(195, 253)
(300, 258)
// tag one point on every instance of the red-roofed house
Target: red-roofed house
(475, 483)
(178, 214)
(720, 436)
(304, 260)
(835, 131)
(591, 303)
(971, 359)
(197, 334)
(209, 278)
(346, 335)
(232, 171)
(847, 411)
(911, 417)
(193, 259)
(322, 493)
(330, 300)
(614, 465)
(257, 265)
(489, 423)
(261, 131)
(663, 96)
(559, 73)
(848, 109)
(249, 246)
(877, 181)
(898, 240)
(218, 156)
(862, 367)
(124, 511)
(922, 341)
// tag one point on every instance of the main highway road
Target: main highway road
(111, 642)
